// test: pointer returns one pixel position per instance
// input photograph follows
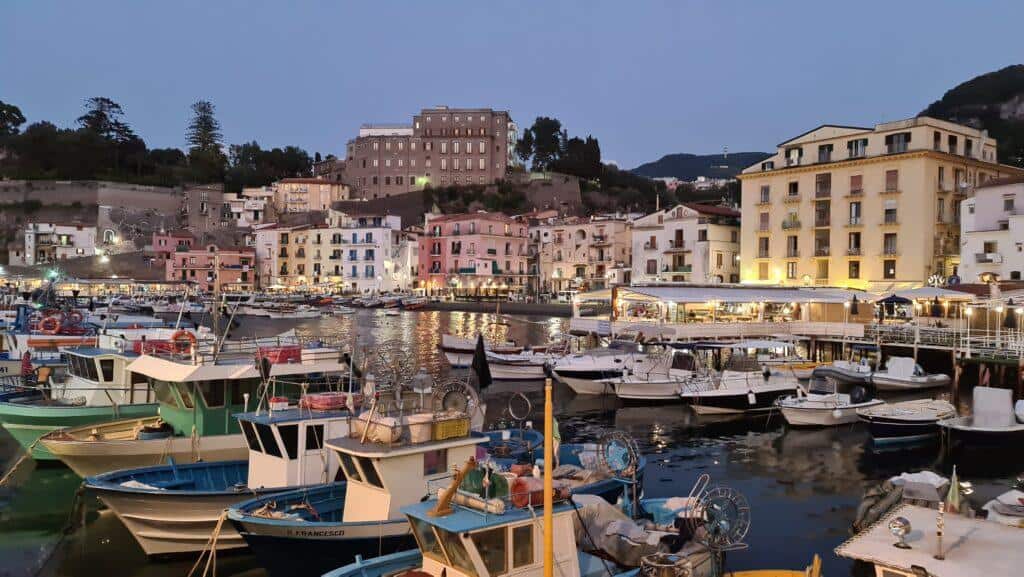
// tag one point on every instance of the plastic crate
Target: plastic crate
(451, 429)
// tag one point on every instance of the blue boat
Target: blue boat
(311, 531)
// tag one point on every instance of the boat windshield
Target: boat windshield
(427, 541)
(456, 551)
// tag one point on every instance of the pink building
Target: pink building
(473, 255)
(165, 244)
(228, 269)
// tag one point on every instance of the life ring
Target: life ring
(50, 325)
(74, 317)
(180, 337)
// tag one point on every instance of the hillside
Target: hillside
(993, 101)
(689, 166)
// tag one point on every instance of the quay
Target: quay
(563, 310)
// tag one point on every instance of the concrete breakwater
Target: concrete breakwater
(547, 309)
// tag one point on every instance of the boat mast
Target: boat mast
(549, 540)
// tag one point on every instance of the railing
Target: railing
(791, 198)
(988, 257)
(853, 251)
(854, 221)
(792, 253)
(821, 251)
(822, 221)
(824, 193)
(720, 330)
(790, 224)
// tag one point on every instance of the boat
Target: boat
(845, 372)
(413, 303)
(932, 543)
(659, 382)
(293, 312)
(904, 374)
(309, 532)
(173, 509)
(459, 351)
(744, 385)
(198, 394)
(391, 312)
(1007, 508)
(341, 310)
(824, 406)
(528, 365)
(586, 373)
(907, 421)
(992, 421)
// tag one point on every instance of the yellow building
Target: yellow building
(871, 208)
(307, 194)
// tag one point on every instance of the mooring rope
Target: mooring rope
(210, 551)
(10, 472)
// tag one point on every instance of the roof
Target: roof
(470, 216)
(378, 450)
(463, 519)
(1018, 179)
(714, 209)
(308, 181)
(744, 294)
(927, 292)
(96, 352)
(970, 546)
(820, 126)
(290, 416)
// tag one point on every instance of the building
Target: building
(203, 208)
(992, 232)
(307, 194)
(442, 147)
(581, 254)
(165, 244)
(479, 254)
(249, 207)
(213, 269)
(49, 242)
(696, 243)
(871, 208)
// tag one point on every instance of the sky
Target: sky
(647, 78)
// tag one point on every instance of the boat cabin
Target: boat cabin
(102, 376)
(471, 543)
(286, 448)
(383, 477)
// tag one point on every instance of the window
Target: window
(857, 148)
(889, 243)
(491, 545)
(823, 184)
(522, 545)
(107, 369)
(1007, 204)
(889, 269)
(444, 147)
(937, 140)
(890, 213)
(435, 462)
(822, 269)
(290, 439)
(213, 393)
(652, 267)
(896, 143)
(794, 188)
(856, 184)
(790, 270)
(349, 466)
(952, 144)
(427, 541)
(940, 210)
(762, 247)
(792, 246)
(854, 269)
(1014, 275)
(482, 164)
(854, 243)
(314, 437)
(825, 153)
(766, 193)
(250, 436)
(762, 271)
(718, 259)
(892, 180)
(457, 553)
(855, 213)
(267, 438)
(763, 224)
(444, 164)
(369, 471)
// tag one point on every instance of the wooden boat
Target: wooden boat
(198, 394)
(173, 508)
(907, 421)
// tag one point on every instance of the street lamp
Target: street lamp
(999, 323)
(969, 311)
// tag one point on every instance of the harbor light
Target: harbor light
(969, 311)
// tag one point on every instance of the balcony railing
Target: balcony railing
(793, 253)
(890, 251)
(682, 268)
(791, 198)
(988, 257)
(854, 221)
(762, 254)
(823, 193)
(853, 251)
(790, 223)
(821, 221)
(821, 251)
(890, 220)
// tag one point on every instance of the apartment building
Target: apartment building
(213, 268)
(48, 242)
(165, 244)
(992, 232)
(442, 147)
(249, 207)
(581, 254)
(203, 208)
(698, 243)
(872, 208)
(307, 194)
(477, 255)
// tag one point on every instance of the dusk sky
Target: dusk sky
(646, 78)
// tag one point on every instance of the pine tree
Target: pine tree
(203, 132)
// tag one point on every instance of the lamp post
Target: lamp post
(999, 323)
(969, 311)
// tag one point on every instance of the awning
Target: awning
(741, 294)
(929, 293)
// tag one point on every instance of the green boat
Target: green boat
(98, 388)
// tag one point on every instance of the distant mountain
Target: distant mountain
(994, 102)
(689, 166)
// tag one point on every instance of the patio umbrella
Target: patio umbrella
(1010, 322)
(854, 309)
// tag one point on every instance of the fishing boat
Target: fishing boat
(907, 421)
(528, 365)
(198, 394)
(931, 543)
(308, 532)
(992, 421)
(459, 350)
(173, 508)
(904, 374)
(824, 406)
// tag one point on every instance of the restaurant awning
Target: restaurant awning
(930, 292)
(732, 294)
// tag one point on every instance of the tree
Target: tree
(524, 146)
(104, 117)
(204, 130)
(10, 119)
(317, 158)
(546, 142)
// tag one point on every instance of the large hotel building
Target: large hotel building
(442, 147)
(871, 208)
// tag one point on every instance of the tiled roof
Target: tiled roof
(1018, 179)
(712, 209)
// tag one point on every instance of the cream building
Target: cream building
(872, 208)
(307, 194)
(687, 243)
(992, 229)
(582, 253)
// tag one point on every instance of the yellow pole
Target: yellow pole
(549, 537)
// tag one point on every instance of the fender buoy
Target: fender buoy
(180, 337)
(50, 325)
(74, 317)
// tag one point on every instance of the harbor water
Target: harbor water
(803, 486)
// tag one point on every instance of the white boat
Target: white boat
(586, 373)
(903, 374)
(1007, 509)
(736, 392)
(844, 372)
(816, 409)
(992, 421)
(659, 382)
(293, 312)
(459, 351)
(341, 310)
(907, 421)
(528, 365)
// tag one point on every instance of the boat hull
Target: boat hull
(660, 391)
(734, 401)
(89, 458)
(883, 383)
(885, 430)
(819, 417)
(588, 386)
(515, 371)
(27, 423)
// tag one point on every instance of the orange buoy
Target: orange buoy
(181, 337)
(50, 325)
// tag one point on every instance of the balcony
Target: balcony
(465, 270)
(823, 193)
(762, 254)
(791, 198)
(854, 221)
(650, 245)
(890, 251)
(789, 224)
(676, 247)
(853, 251)
(682, 268)
(890, 220)
(763, 202)
(793, 253)
(822, 221)
(988, 258)
(794, 161)
(821, 251)
(890, 191)
(855, 192)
